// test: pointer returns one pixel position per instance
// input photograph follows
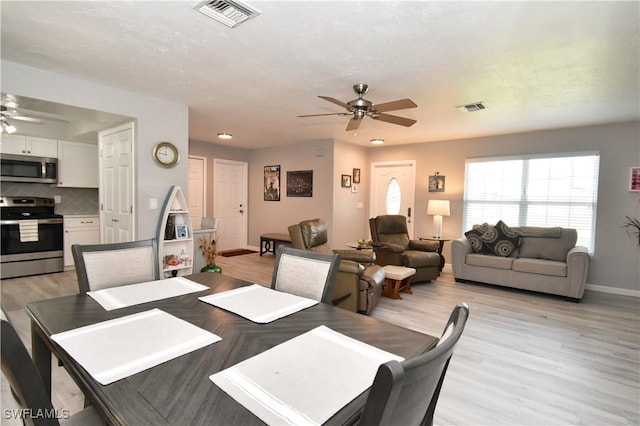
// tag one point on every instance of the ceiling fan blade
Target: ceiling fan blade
(353, 125)
(24, 118)
(335, 101)
(395, 105)
(394, 119)
(319, 115)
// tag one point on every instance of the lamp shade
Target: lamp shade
(438, 207)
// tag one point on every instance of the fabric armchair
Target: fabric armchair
(393, 247)
(359, 281)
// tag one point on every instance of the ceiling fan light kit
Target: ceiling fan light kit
(360, 108)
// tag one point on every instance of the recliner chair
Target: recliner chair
(393, 247)
(359, 281)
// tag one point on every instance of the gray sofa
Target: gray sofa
(547, 260)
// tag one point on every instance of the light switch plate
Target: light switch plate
(153, 203)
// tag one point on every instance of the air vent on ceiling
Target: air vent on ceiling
(229, 12)
(477, 106)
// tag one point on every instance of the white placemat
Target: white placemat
(259, 304)
(114, 349)
(135, 294)
(305, 380)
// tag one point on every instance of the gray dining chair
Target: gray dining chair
(406, 393)
(101, 266)
(305, 273)
(27, 386)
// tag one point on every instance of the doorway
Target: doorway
(393, 189)
(197, 189)
(230, 203)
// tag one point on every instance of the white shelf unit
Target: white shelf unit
(173, 247)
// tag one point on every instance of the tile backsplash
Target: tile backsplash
(72, 200)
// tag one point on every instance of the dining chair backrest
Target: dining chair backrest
(406, 393)
(305, 273)
(23, 377)
(101, 266)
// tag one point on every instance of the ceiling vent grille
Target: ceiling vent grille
(229, 12)
(477, 106)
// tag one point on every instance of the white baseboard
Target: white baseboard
(613, 290)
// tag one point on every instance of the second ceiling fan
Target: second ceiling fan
(361, 108)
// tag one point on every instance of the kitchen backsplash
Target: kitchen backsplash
(72, 200)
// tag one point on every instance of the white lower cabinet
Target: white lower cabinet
(79, 230)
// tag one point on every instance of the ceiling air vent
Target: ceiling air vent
(477, 106)
(229, 12)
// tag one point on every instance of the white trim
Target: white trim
(613, 290)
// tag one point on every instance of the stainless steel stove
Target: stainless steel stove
(32, 237)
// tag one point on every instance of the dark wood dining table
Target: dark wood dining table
(179, 391)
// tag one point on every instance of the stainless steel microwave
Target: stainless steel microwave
(25, 168)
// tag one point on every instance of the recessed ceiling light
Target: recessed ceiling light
(377, 141)
(225, 135)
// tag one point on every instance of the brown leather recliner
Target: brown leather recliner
(359, 281)
(393, 247)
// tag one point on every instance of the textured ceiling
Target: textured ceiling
(535, 65)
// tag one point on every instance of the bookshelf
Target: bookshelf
(175, 236)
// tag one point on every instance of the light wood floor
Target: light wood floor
(524, 358)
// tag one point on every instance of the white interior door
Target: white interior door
(230, 202)
(393, 189)
(197, 189)
(116, 191)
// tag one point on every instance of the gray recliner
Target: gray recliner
(393, 247)
(359, 281)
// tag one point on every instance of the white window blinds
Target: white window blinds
(560, 190)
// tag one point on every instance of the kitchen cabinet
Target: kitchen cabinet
(79, 229)
(78, 165)
(175, 236)
(29, 145)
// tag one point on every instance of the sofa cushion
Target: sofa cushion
(549, 248)
(540, 266)
(475, 238)
(501, 239)
(494, 262)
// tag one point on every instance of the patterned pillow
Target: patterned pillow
(501, 239)
(475, 237)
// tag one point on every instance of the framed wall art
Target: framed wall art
(300, 183)
(356, 175)
(272, 183)
(346, 181)
(436, 183)
(634, 179)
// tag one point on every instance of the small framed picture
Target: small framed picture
(356, 175)
(634, 179)
(436, 183)
(181, 231)
(346, 181)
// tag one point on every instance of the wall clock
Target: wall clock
(166, 154)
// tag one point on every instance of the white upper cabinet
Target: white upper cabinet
(29, 145)
(78, 165)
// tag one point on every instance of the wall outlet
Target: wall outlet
(153, 203)
(57, 199)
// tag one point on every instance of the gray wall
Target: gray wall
(616, 257)
(156, 120)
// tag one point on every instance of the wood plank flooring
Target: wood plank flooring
(525, 358)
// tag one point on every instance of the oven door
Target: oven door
(19, 244)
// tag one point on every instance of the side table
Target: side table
(439, 250)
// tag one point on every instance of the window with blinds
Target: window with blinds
(559, 190)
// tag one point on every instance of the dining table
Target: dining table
(179, 391)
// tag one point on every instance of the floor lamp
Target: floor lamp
(438, 208)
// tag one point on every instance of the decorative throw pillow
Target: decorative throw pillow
(501, 239)
(475, 237)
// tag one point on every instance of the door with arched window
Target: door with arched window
(393, 189)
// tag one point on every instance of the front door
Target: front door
(116, 192)
(393, 189)
(230, 203)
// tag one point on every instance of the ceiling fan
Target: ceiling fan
(361, 108)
